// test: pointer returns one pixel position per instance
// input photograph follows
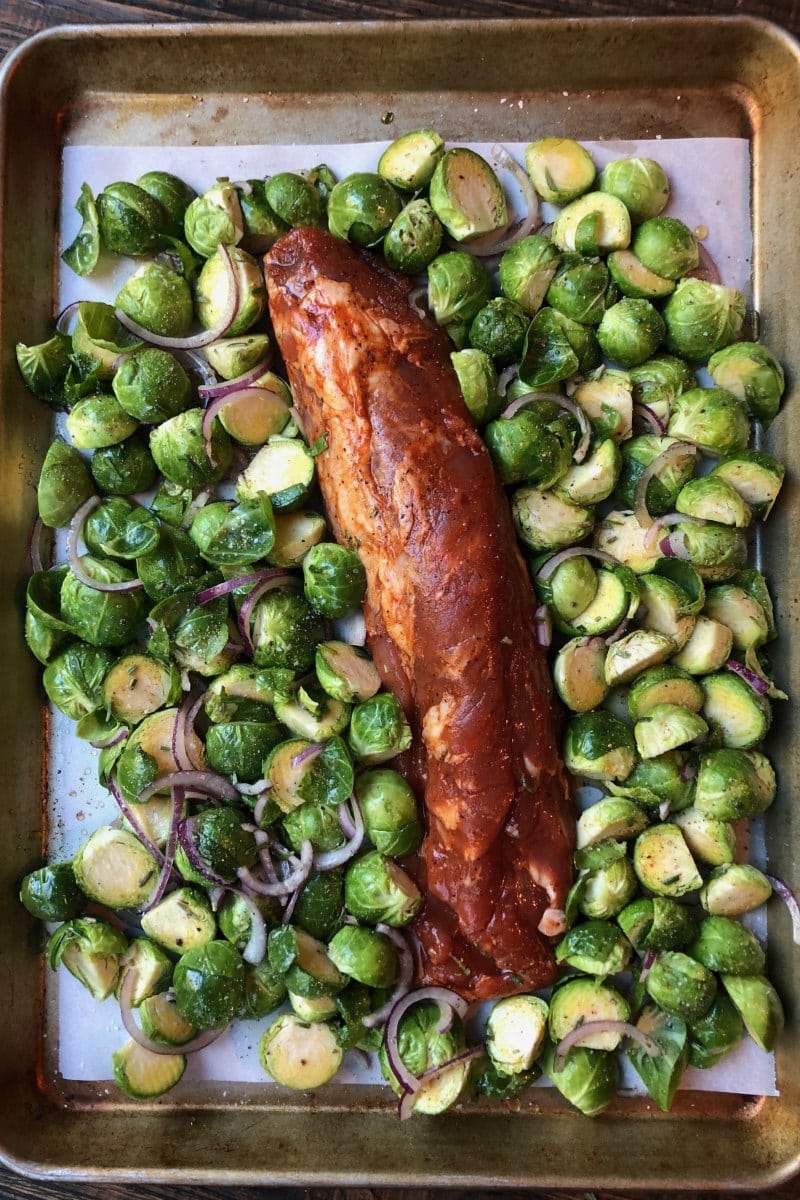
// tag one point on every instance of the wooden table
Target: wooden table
(19, 19)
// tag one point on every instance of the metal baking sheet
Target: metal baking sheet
(255, 84)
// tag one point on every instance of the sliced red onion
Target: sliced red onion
(752, 663)
(543, 622)
(73, 558)
(253, 789)
(113, 739)
(785, 893)
(326, 860)
(230, 585)
(127, 813)
(207, 783)
(36, 546)
(307, 753)
(667, 458)
(137, 1033)
(179, 752)
(405, 979)
(664, 809)
(283, 887)
(506, 376)
(448, 1002)
(706, 268)
(346, 821)
(178, 797)
(653, 537)
(688, 770)
(197, 340)
(200, 501)
(351, 628)
(275, 577)
(261, 803)
(200, 365)
(650, 418)
(617, 632)
(186, 837)
(647, 964)
(415, 298)
(528, 398)
(549, 568)
(256, 948)
(227, 386)
(759, 685)
(589, 1028)
(65, 316)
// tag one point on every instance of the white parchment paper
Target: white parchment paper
(710, 182)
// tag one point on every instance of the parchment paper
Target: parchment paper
(710, 182)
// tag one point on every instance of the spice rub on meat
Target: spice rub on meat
(449, 609)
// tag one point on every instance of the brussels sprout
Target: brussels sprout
(234, 536)
(702, 318)
(324, 778)
(570, 588)
(711, 418)
(526, 270)
(320, 904)
(532, 446)
(612, 817)
(608, 403)
(634, 279)
(581, 289)
(234, 356)
(256, 414)
(264, 991)
(147, 754)
(717, 551)
(376, 890)
(118, 529)
(64, 485)
(620, 534)
(284, 469)
(90, 949)
(666, 727)
(579, 1001)
(262, 226)
(44, 367)
(466, 195)
(753, 375)
(594, 223)
(707, 649)
(666, 246)
(630, 331)
(734, 889)
(144, 1074)
(45, 628)
(661, 1073)
(733, 784)
(664, 779)
(98, 421)
(640, 183)
(285, 631)
(299, 1055)
(715, 1033)
(657, 923)
(73, 680)
(364, 955)
(680, 985)
(83, 252)
(725, 946)
(389, 809)
(595, 947)
(754, 583)
(183, 920)
(238, 748)
(212, 291)
(743, 615)
(759, 1006)
(209, 984)
(635, 652)
(170, 566)
(588, 1078)
(131, 220)
(345, 672)
(555, 348)
(737, 714)
(294, 200)
(477, 379)
(98, 339)
(663, 862)
(421, 1047)
(756, 476)
(711, 841)
(214, 217)
(172, 194)
(124, 469)
(151, 385)
(179, 450)
(545, 522)
(102, 618)
(378, 729)
(220, 841)
(244, 689)
(664, 684)
(315, 823)
(413, 239)
(712, 499)
(664, 608)
(162, 1022)
(499, 329)
(579, 673)
(309, 712)
(138, 685)
(594, 479)
(409, 162)
(334, 579)
(599, 746)
(607, 889)
(51, 893)
(561, 169)
(659, 380)
(363, 207)
(515, 1030)
(458, 287)
(113, 868)
(157, 298)
(666, 480)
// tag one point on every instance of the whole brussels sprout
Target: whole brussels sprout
(413, 239)
(533, 446)
(458, 287)
(526, 269)
(102, 618)
(320, 905)
(51, 893)
(234, 535)
(596, 947)
(64, 485)
(97, 421)
(664, 484)
(172, 194)
(715, 1033)
(588, 1078)
(131, 220)
(630, 331)
(702, 318)
(73, 680)
(499, 330)
(378, 729)
(364, 955)
(659, 380)
(294, 200)
(124, 469)
(389, 809)
(640, 183)
(666, 246)
(753, 375)
(213, 287)
(581, 289)
(179, 450)
(377, 890)
(158, 299)
(555, 348)
(238, 748)
(334, 579)
(680, 985)
(152, 386)
(214, 217)
(715, 420)
(726, 946)
(285, 631)
(600, 746)
(315, 823)
(209, 984)
(362, 207)
(607, 889)
(172, 564)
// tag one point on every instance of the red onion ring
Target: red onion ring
(113, 739)
(543, 622)
(178, 797)
(255, 949)
(74, 559)
(405, 979)
(65, 316)
(759, 685)
(647, 963)
(752, 664)
(307, 753)
(706, 268)
(36, 548)
(276, 577)
(589, 1028)
(186, 837)
(448, 1002)
(200, 501)
(261, 803)
(246, 380)
(127, 813)
(326, 860)
(200, 365)
(671, 455)
(132, 1027)
(198, 340)
(548, 568)
(351, 628)
(207, 783)
(405, 1105)
(785, 893)
(618, 632)
(283, 887)
(653, 535)
(649, 418)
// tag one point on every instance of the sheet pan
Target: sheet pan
(187, 85)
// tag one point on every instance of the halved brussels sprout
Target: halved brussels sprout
(545, 522)
(635, 652)
(634, 279)
(707, 648)
(715, 1033)
(209, 984)
(458, 287)
(579, 673)
(613, 817)
(466, 195)
(666, 246)
(593, 224)
(422, 1048)
(759, 1006)
(377, 890)
(581, 289)
(64, 484)
(262, 225)
(179, 450)
(90, 948)
(124, 469)
(664, 608)
(738, 715)
(663, 862)
(300, 1055)
(734, 889)
(753, 375)
(499, 329)
(515, 1030)
(413, 239)
(667, 477)
(666, 727)
(364, 955)
(295, 200)
(98, 421)
(285, 631)
(664, 684)
(733, 784)
(346, 673)
(73, 679)
(409, 162)
(213, 287)
(599, 746)
(756, 476)
(102, 618)
(619, 533)
(131, 220)
(555, 348)
(579, 1001)
(477, 379)
(214, 217)
(98, 339)
(727, 947)
(607, 401)
(657, 923)
(560, 168)
(594, 947)
(594, 479)
(711, 841)
(680, 985)
(712, 499)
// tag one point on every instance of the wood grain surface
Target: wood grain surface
(21, 18)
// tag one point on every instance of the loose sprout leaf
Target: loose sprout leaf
(83, 253)
(661, 1075)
